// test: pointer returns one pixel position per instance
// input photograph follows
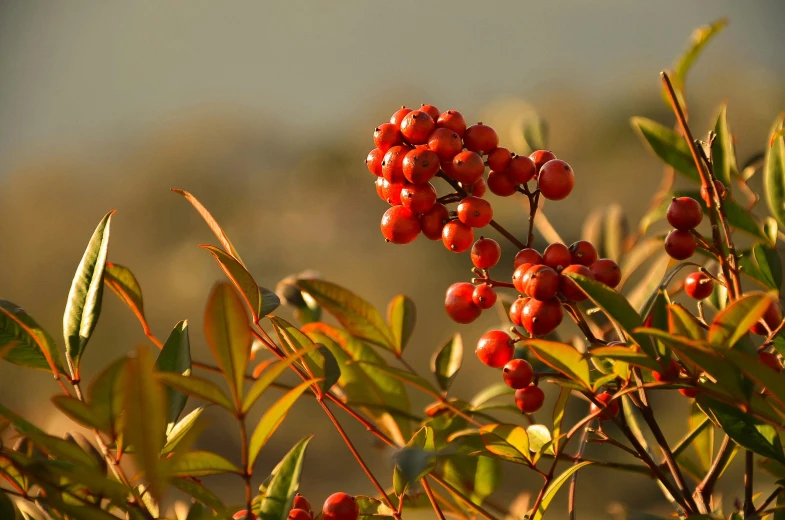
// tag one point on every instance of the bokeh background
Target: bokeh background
(265, 110)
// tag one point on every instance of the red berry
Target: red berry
(521, 169)
(340, 506)
(457, 236)
(680, 245)
(374, 161)
(486, 253)
(477, 188)
(398, 116)
(567, 286)
(300, 502)
(399, 225)
(500, 184)
(541, 318)
(529, 399)
(527, 256)
(392, 165)
(543, 282)
(379, 187)
(445, 143)
(557, 255)
(517, 373)
(692, 393)
(481, 138)
(611, 407)
(606, 271)
(459, 304)
(684, 213)
(467, 167)
(475, 212)
(770, 360)
(299, 514)
(391, 192)
(520, 278)
(540, 157)
(499, 159)
(417, 126)
(452, 120)
(243, 514)
(418, 198)
(772, 317)
(698, 286)
(432, 221)
(669, 373)
(484, 296)
(583, 252)
(420, 165)
(515, 310)
(430, 110)
(720, 187)
(495, 348)
(556, 180)
(386, 135)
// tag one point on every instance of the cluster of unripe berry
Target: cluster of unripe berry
(338, 506)
(417, 145)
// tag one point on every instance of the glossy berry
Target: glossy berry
(417, 126)
(520, 279)
(684, 213)
(418, 198)
(669, 373)
(543, 282)
(698, 286)
(567, 286)
(467, 167)
(379, 186)
(720, 187)
(452, 120)
(611, 406)
(540, 157)
(243, 515)
(477, 188)
(495, 348)
(398, 116)
(399, 225)
(500, 184)
(541, 318)
(445, 143)
(386, 136)
(517, 373)
(770, 360)
(392, 164)
(300, 502)
(556, 180)
(391, 192)
(499, 158)
(486, 253)
(340, 506)
(374, 161)
(529, 399)
(515, 310)
(457, 236)
(557, 256)
(527, 256)
(484, 296)
(420, 165)
(299, 514)
(481, 138)
(459, 304)
(680, 245)
(606, 271)
(431, 111)
(432, 222)
(583, 252)
(691, 393)
(521, 169)
(475, 212)
(772, 317)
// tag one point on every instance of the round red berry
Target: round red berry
(417, 126)
(452, 120)
(540, 157)
(374, 161)
(500, 184)
(399, 225)
(418, 198)
(340, 506)
(391, 192)
(770, 360)
(606, 271)
(529, 399)
(392, 164)
(467, 167)
(243, 515)
(541, 318)
(379, 187)
(515, 310)
(520, 278)
(527, 256)
(386, 136)
(669, 373)
(300, 502)
(495, 348)
(521, 169)
(720, 187)
(680, 245)
(432, 221)
(611, 406)
(567, 286)
(397, 117)
(475, 212)
(772, 317)
(459, 304)
(499, 158)
(691, 393)
(517, 373)
(583, 252)
(420, 165)
(481, 138)
(299, 514)
(431, 111)
(486, 253)
(684, 213)
(556, 180)
(557, 255)
(457, 236)
(543, 282)
(477, 188)
(445, 143)
(698, 286)
(484, 296)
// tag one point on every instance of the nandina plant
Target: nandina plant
(603, 323)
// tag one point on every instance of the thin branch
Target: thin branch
(432, 498)
(749, 470)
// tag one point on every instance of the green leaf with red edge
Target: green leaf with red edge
(105, 394)
(761, 373)
(23, 342)
(563, 358)
(228, 335)
(372, 508)
(283, 484)
(198, 387)
(553, 488)
(175, 357)
(407, 377)
(200, 493)
(241, 279)
(627, 355)
(509, 441)
(270, 374)
(211, 223)
(78, 411)
(723, 153)
(84, 299)
(446, 363)
(730, 325)
(682, 323)
(358, 316)
(558, 415)
(320, 364)
(180, 431)
(199, 464)
(667, 145)
(774, 173)
(124, 284)
(416, 460)
(402, 317)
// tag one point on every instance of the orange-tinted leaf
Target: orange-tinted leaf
(211, 223)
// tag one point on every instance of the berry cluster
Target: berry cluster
(338, 506)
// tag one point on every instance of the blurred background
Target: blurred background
(265, 111)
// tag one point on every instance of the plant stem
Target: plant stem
(534, 199)
(769, 500)
(432, 498)
(749, 470)
(471, 505)
(247, 470)
(705, 489)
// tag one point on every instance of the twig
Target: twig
(432, 498)
(705, 489)
(749, 470)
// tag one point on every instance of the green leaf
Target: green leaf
(760, 373)
(211, 223)
(774, 174)
(199, 464)
(763, 264)
(615, 229)
(229, 335)
(203, 389)
(321, 364)
(84, 298)
(7, 507)
(723, 153)
(447, 361)
(123, 283)
(402, 316)
(269, 375)
(78, 411)
(407, 377)
(558, 415)
(23, 342)
(554, 487)
(175, 357)
(539, 437)
(491, 392)
(508, 441)
(199, 492)
(736, 320)
(180, 430)
(283, 483)
(358, 316)
(563, 358)
(105, 395)
(667, 145)
(372, 508)
(62, 449)
(416, 460)
(534, 132)
(682, 323)
(627, 355)
(696, 431)
(703, 443)
(241, 279)
(698, 40)
(475, 476)
(273, 418)
(270, 301)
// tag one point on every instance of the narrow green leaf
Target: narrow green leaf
(703, 443)
(407, 377)
(175, 357)
(284, 483)
(491, 392)
(105, 394)
(509, 441)
(402, 316)
(179, 431)
(723, 153)
(320, 362)
(273, 418)
(416, 460)
(774, 173)
(737, 319)
(269, 375)
(558, 415)
(7, 507)
(539, 437)
(475, 476)
(61, 449)
(698, 40)
(23, 342)
(372, 508)
(203, 389)
(123, 283)
(78, 411)
(763, 264)
(615, 229)
(211, 223)
(199, 464)
(627, 355)
(667, 145)
(332, 372)
(241, 279)
(760, 373)
(270, 301)
(447, 361)
(199, 492)
(682, 323)
(563, 358)
(534, 132)
(84, 298)
(554, 487)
